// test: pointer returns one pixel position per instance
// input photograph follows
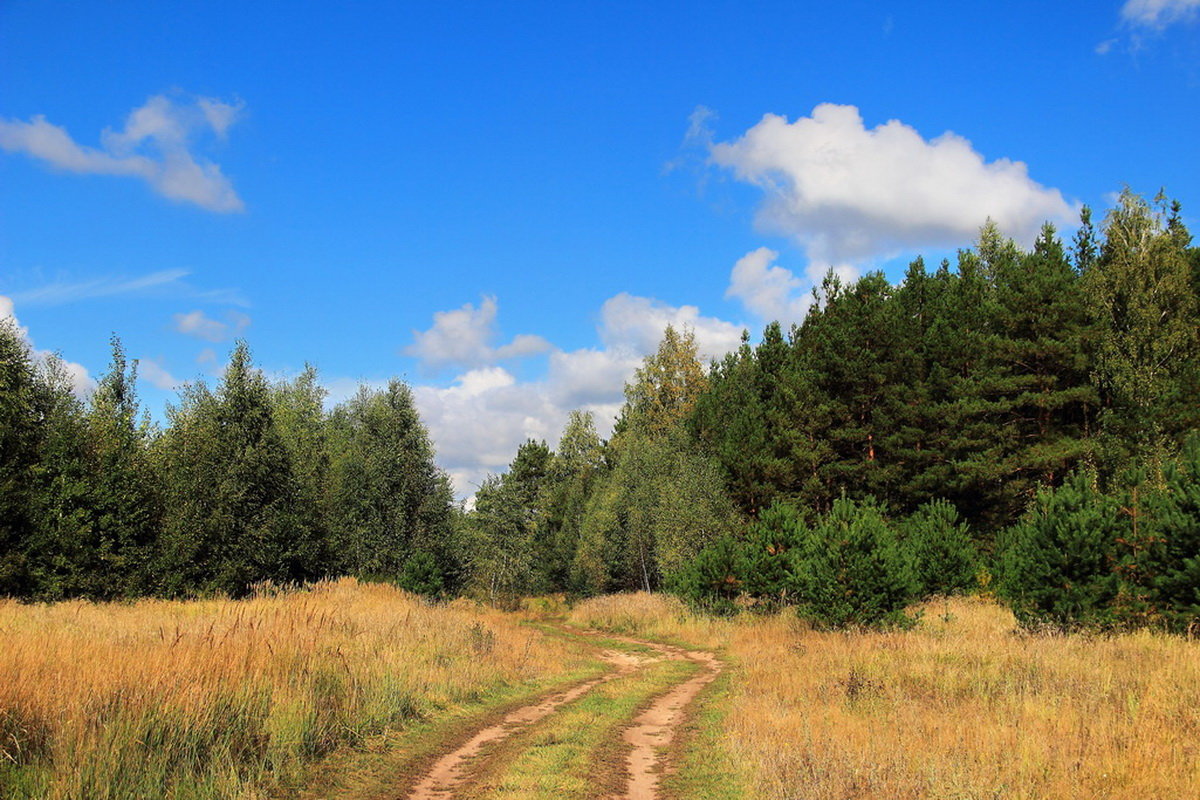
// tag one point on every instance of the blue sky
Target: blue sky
(502, 203)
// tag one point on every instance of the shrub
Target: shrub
(942, 555)
(1167, 546)
(714, 578)
(1060, 564)
(849, 569)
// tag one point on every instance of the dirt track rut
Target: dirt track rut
(646, 737)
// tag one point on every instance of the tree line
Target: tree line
(1014, 422)
(248, 482)
(903, 440)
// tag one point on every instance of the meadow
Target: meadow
(220, 698)
(259, 698)
(963, 706)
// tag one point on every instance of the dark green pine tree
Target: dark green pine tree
(850, 347)
(749, 418)
(958, 349)
(1086, 248)
(1037, 376)
(127, 501)
(913, 408)
(1168, 557)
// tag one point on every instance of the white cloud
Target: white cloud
(463, 338)
(478, 421)
(1158, 14)
(155, 374)
(155, 145)
(849, 194)
(82, 383)
(768, 291)
(197, 323)
(637, 324)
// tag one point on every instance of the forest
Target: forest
(1020, 423)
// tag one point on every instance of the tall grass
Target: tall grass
(962, 706)
(224, 699)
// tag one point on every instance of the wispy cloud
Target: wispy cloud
(197, 323)
(167, 282)
(1158, 14)
(157, 145)
(151, 371)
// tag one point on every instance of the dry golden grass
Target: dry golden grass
(655, 616)
(235, 699)
(963, 706)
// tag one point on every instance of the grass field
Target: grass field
(269, 697)
(962, 707)
(216, 699)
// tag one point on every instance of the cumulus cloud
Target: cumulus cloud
(637, 324)
(82, 383)
(1158, 14)
(849, 194)
(478, 421)
(197, 323)
(766, 290)
(463, 337)
(156, 145)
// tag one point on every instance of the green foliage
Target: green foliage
(503, 543)
(943, 556)
(1060, 564)
(100, 504)
(234, 504)
(849, 570)
(1167, 558)
(659, 505)
(665, 387)
(572, 473)
(715, 578)
(1143, 297)
(20, 442)
(388, 500)
(1126, 557)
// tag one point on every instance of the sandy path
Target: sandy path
(453, 769)
(648, 735)
(653, 730)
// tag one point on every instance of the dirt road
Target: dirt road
(645, 738)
